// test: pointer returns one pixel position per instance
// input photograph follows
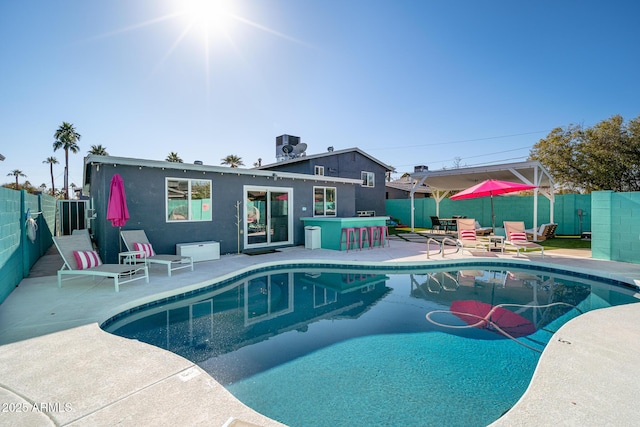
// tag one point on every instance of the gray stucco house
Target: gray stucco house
(241, 209)
(351, 163)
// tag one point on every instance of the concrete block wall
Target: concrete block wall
(10, 241)
(17, 253)
(615, 225)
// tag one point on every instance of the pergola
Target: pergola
(444, 182)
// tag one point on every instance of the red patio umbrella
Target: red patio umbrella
(492, 317)
(491, 187)
(117, 211)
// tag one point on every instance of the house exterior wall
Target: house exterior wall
(345, 165)
(146, 194)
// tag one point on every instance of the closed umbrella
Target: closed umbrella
(117, 211)
(492, 187)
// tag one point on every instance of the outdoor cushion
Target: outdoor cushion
(518, 236)
(144, 247)
(87, 259)
(468, 234)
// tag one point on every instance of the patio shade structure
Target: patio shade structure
(117, 211)
(490, 188)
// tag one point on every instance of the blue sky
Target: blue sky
(408, 81)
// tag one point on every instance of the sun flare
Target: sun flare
(207, 16)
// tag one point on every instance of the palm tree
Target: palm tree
(98, 150)
(17, 173)
(52, 161)
(173, 157)
(66, 138)
(232, 160)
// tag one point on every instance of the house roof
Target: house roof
(531, 172)
(328, 154)
(93, 159)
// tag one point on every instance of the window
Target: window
(318, 170)
(188, 200)
(368, 179)
(324, 201)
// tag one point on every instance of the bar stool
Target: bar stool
(374, 231)
(348, 232)
(364, 232)
(383, 231)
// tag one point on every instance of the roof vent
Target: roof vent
(197, 162)
(420, 168)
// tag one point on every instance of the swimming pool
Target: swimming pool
(323, 345)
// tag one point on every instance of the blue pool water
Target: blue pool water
(309, 346)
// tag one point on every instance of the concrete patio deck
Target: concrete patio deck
(57, 367)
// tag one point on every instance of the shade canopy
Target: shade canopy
(492, 187)
(117, 211)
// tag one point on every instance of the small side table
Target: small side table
(498, 243)
(132, 257)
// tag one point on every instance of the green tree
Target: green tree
(98, 150)
(52, 161)
(603, 157)
(16, 173)
(173, 157)
(66, 138)
(232, 161)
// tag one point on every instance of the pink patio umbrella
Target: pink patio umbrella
(491, 187)
(117, 211)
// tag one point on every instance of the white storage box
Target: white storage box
(199, 251)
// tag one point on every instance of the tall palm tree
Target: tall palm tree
(98, 150)
(173, 157)
(66, 138)
(52, 161)
(17, 173)
(232, 160)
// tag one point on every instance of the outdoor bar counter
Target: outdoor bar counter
(331, 227)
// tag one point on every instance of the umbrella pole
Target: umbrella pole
(493, 217)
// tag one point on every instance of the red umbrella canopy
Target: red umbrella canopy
(491, 187)
(486, 316)
(117, 211)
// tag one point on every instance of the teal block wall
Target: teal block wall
(615, 224)
(10, 241)
(17, 253)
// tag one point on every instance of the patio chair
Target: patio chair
(516, 237)
(136, 240)
(544, 232)
(80, 259)
(467, 235)
(435, 224)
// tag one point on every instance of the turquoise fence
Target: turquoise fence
(507, 208)
(616, 226)
(17, 252)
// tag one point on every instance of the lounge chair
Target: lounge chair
(483, 231)
(80, 259)
(516, 238)
(467, 237)
(134, 240)
(544, 232)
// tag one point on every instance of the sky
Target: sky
(410, 82)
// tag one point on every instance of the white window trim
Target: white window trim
(369, 180)
(335, 211)
(166, 199)
(318, 170)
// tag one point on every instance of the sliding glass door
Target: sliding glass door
(268, 216)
